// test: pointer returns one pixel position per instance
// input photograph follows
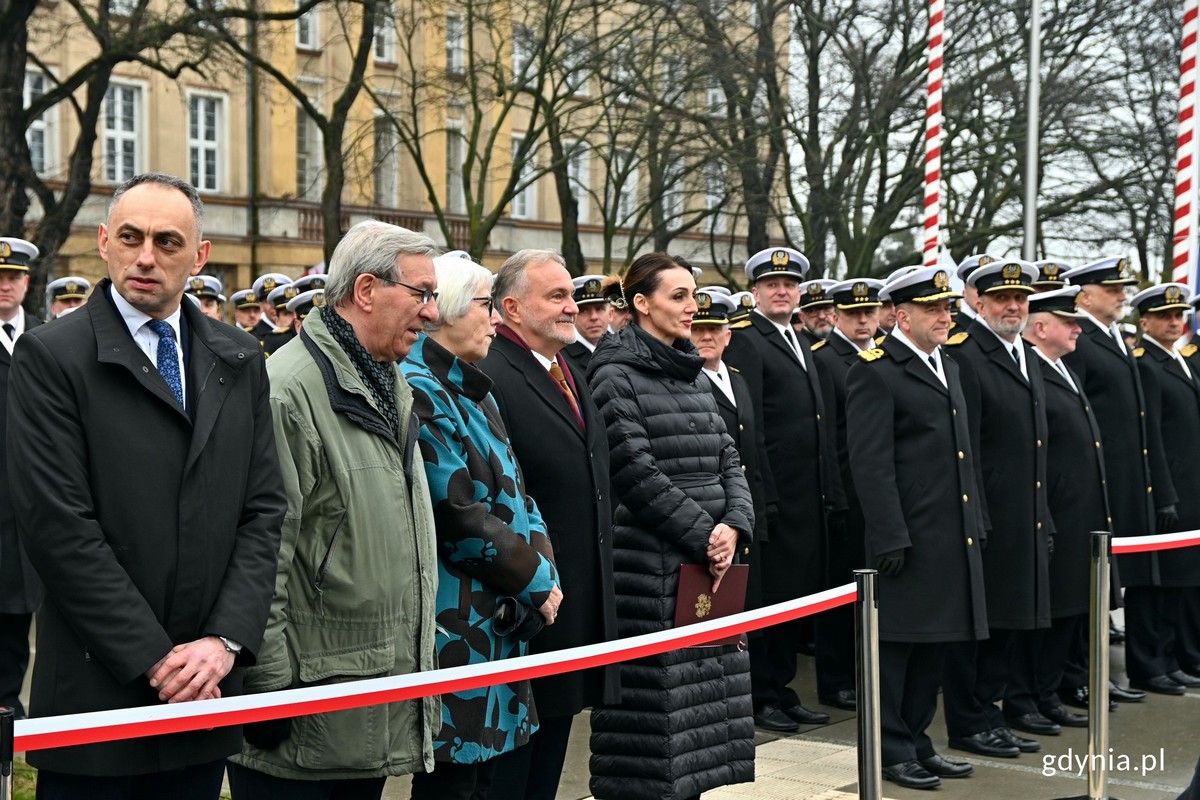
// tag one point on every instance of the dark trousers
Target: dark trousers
(1075, 669)
(1150, 615)
(1039, 660)
(532, 772)
(199, 782)
(773, 666)
(1187, 630)
(835, 651)
(973, 680)
(453, 782)
(14, 659)
(908, 686)
(250, 784)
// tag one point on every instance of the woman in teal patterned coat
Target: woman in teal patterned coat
(491, 540)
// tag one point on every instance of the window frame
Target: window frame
(217, 145)
(138, 138)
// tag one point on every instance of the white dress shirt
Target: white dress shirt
(146, 339)
(932, 360)
(18, 323)
(1182, 362)
(720, 378)
(1010, 347)
(1060, 368)
(788, 335)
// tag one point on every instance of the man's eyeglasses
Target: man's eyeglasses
(488, 302)
(426, 295)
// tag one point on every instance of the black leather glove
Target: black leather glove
(269, 734)
(890, 563)
(837, 522)
(1167, 518)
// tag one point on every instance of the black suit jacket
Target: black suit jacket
(1132, 450)
(580, 355)
(1173, 411)
(1007, 414)
(19, 586)
(566, 472)
(909, 441)
(149, 527)
(790, 411)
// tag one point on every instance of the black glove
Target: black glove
(837, 522)
(890, 563)
(269, 734)
(1167, 518)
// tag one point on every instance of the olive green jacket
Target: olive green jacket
(354, 595)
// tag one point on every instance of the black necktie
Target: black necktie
(10, 331)
(1015, 356)
(933, 363)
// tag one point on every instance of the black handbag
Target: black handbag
(514, 618)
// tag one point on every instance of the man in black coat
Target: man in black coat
(1077, 497)
(155, 525)
(789, 409)
(19, 588)
(1002, 383)
(1133, 458)
(560, 441)
(908, 440)
(1173, 410)
(816, 311)
(856, 306)
(592, 321)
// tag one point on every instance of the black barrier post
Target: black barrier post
(7, 715)
(866, 623)
(1098, 669)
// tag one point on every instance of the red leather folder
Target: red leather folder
(696, 602)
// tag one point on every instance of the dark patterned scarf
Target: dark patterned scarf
(379, 376)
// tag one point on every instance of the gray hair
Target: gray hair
(459, 279)
(161, 179)
(511, 279)
(371, 248)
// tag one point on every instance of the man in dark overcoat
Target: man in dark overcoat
(908, 440)
(1173, 410)
(560, 441)
(789, 409)
(592, 321)
(155, 526)
(1133, 458)
(19, 589)
(1002, 382)
(856, 306)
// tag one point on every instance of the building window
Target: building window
(456, 51)
(455, 155)
(673, 202)
(307, 25)
(39, 134)
(308, 156)
(522, 52)
(122, 132)
(579, 174)
(121, 8)
(385, 34)
(386, 165)
(524, 202)
(626, 176)
(715, 188)
(205, 122)
(714, 98)
(622, 74)
(575, 66)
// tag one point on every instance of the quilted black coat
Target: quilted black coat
(685, 724)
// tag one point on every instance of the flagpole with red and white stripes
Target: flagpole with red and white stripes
(1184, 251)
(933, 136)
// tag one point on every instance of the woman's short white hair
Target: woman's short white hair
(459, 280)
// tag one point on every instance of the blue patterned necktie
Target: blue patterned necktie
(168, 356)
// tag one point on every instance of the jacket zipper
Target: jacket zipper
(328, 560)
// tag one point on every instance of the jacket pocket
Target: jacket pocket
(354, 739)
(327, 561)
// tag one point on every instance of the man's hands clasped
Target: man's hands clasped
(191, 671)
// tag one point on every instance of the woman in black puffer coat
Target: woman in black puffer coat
(685, 724)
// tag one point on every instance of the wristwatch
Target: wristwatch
(230, 645)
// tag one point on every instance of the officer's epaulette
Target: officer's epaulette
(733, 369)
(958, 338)
(1188, 350)
(281, 330)
(874, 354)
(879, 339)
(737, 326)
(818, 345)
(1138, 352)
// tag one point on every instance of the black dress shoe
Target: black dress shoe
(805, 717)
(1065, 718)
(985, 744)
(945, 768)
(1159, 684)
(1124, 695)
(1115, 635)
(1078, 697)
(911, 775)
(1184, 678)
(843, 699)
(1034, 722)
(1019, 742)
(772, 718)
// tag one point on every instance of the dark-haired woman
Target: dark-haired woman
(685, 724)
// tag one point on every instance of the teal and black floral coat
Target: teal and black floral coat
(491, 543)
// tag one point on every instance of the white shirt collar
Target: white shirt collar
(591, 348)
(1105, 328)
(847, 339)
(1059, 367)
(720, 377)
(135, 319)
(937, 366)
(1168, 350)
(1008, 347)
(545, 362)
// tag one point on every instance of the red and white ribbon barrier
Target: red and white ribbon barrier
(933, 135)
(1162, 541)
(1185, 151)
(129, 723)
